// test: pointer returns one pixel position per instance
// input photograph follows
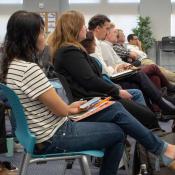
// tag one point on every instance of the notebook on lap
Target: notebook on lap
(124, 74)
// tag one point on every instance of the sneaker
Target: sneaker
(166, 117)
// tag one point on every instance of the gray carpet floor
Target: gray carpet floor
(51, 167)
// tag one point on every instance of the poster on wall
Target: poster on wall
(49, 20)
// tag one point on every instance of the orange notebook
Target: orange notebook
(96, 108)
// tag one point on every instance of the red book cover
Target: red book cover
(91, 111)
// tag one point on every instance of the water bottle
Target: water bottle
(143, 170)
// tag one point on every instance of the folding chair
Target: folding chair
(28, 140)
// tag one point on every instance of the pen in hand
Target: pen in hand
(102, 101)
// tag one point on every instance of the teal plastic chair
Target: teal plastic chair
(28, 140)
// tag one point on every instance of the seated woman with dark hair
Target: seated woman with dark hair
(89, 42)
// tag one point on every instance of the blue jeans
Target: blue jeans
(104, 129)
(136, 93)
(137, 96)
(78, 136)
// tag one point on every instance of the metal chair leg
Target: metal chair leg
(125, 161)
(24, 164)
(64, 169)
(84, 166)
(67, 165)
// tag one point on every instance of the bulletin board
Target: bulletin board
(50, 19)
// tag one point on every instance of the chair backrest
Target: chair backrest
(59, 89)
(23, 134)
(51, 75)
(66, 87)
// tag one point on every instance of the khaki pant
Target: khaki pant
(167, 73)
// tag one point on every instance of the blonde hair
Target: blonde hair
(67, 31)
(112, 25)
(119, 31)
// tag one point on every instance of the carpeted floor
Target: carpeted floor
(51, 167)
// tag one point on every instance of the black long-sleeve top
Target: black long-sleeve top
(82, 73)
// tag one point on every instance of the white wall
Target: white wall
(123, 15)
(5, 12)
(3, 22)
(173, 19)
(160, 13)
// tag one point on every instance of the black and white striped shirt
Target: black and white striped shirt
(28, 81)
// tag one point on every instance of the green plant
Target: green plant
(144, 33)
